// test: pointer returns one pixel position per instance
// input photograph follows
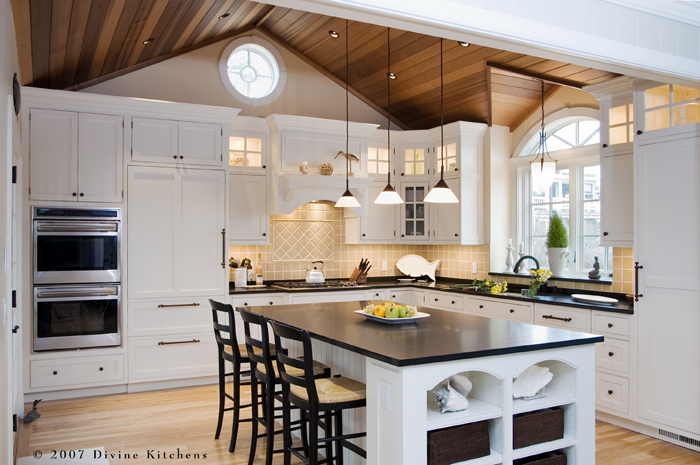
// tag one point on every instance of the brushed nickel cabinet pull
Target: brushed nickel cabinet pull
(178, 305)
(552, 317)
(193, 341)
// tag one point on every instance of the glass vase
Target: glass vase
(532, 291)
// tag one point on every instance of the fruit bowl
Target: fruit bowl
(393, 321)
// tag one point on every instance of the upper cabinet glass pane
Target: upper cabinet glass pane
(245, 151)
(671, 105)
(682, 93)
(657, 97)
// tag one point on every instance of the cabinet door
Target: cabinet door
(100, 148)
(617, 201)
(53, 155)
(414, 213)
(249, 222)
(154, 140)
(413, 160)
(202, 245)
(380, 223)
(152, 261)
(447, 217)
(200, 143)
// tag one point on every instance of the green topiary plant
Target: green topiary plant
(557, 236)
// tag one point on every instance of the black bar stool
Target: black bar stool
(323, 400)
(229, 351)
(260, 353)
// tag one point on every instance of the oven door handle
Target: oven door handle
(78, 228)
(72, 293)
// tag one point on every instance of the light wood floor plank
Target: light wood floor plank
(185, 419)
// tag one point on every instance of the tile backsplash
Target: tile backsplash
(316, 231)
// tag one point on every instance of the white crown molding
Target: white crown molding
(683, 11)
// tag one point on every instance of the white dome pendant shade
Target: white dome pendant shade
(441, 193)
(542, 174)
(347, 200)
(389, 196)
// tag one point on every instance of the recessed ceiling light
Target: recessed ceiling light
(148, 41)
(225, 15)
(463, 44)
(333, 34)
(391, 75)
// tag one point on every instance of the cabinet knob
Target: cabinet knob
(271, 303)
(456, 169)
(377, 294)
(82, 195)
(363, 234)
(453, 302)
(605, 233)
(610, 391)
(401, 235)
(264, 166)
(436, 300)
(181, 157)
(456, 235)
(639, 132)
(245, 304)
(605, 146)
(481, 306)
(393, 296)
(175, 157)
(610, 325)
(55, 372)
(610, 354)
(102, 369)
(512, 311)
(264, 234)
(75, 194)
(401, 174)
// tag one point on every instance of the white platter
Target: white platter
(392, 321)
(594, 299)
(405, 280)
(416, 266)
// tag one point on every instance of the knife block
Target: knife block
(362, 278)
(354, 275)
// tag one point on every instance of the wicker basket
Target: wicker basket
(538, 426)
(550, 458)
(458, 443)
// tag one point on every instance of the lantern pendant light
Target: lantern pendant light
(388, 196)
(347, 200)
(542, 171)
(441, 193)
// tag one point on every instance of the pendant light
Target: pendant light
(441, 193)
(543, 171)
(388, 196)
(347, 200)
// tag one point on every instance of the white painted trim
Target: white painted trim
(683, 11)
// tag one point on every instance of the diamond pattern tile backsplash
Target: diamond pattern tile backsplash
(302, 240)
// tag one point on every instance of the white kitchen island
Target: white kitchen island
(402, 365)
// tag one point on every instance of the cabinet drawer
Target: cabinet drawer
(173, 357)
(77, 371)
(376, 294)
(503, 309)
(257, 300)
(613, 354)
(612, 393)
(573, 319)
(401, 297)
(445, 301)
(322, 297)
(610, 325)
(160, 317)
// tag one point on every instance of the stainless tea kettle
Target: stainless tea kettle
(315, 275)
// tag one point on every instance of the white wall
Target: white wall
(8, 66)
(497, 194)
(194, 78)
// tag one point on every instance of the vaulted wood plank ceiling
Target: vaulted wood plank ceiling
(73, 44)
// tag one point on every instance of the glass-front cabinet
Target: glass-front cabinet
(413, 155)
(664, 109)
(414, 213)
(246, 152)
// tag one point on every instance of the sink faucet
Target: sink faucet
(516, 268)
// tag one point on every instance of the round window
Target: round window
(252, 72)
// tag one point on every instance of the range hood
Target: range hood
(297, 139)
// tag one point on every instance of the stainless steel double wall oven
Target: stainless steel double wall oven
(77, 277)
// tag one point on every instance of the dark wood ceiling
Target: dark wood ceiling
(73, 44)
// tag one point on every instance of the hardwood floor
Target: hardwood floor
(184, 420)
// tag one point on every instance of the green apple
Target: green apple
(391, 312)
(404, 312)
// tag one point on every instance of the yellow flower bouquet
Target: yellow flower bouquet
(485, 286)
(539, 277)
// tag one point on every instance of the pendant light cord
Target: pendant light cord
(347, 108)
(442, 120)
(388, 114)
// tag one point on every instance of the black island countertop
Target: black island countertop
(561, 297)
(444, 336)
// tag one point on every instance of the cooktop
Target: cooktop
(324, 285)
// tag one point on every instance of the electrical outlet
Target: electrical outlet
(475, 268)
(384, 267)
(386, 395)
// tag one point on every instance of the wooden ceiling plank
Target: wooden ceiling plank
(321, 37)
(275, 17)
(23, 38)
(234, 11)
(566, 71)
(340, 82)
(476, 93)
(604, 78)
(515, 91)
(585, 76)
(545, 66)
(548, 93)
(60, 21)
(516, 81)
(362, 39)
(150, 50)
(504, 69)
(114, 11)
(196, 20)
(208, 22)
(523, 62)
(250, 16)
(76, 34)
(146, 31)
(375, 63)
(185, 22)
(40, 16)
(128, 13)
(163, 38)
(316, 32)
(489, 98)
(96, 19)
(297, 25)
(516, 100)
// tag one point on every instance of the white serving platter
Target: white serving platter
(392, 321)
(594, 299)
(405, 280)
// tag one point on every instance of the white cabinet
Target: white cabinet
(555, 316)
(322, 297)
(665, 110)
(75, 156)
(667, 188)
(378, 226)
(415, 219)
(401, 296)
(162, 358)
(447, 217)
(169, 316)
(445, 301)
(176, 236)
(77, 371)
(504, 309)
(617, 200)
(249, 222)
(170, 141)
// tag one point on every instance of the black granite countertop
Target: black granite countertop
(555, 296)
(444, 336)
